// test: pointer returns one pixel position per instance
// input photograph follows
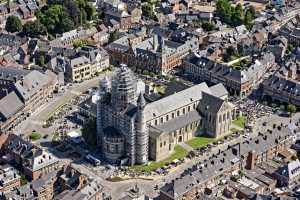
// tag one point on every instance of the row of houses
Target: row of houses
(22, 92)
(154, 53)
(48, 177)
(23, 8)
(237, 81)
(246, 155)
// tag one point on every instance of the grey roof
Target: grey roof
(32, 83)
(218, 90)
(93, 186)
(37, 157)
(177, 100)
(74, 62)
(291, 170)
(176, 123)
(216, 165)
(281, 84)
(10, 105)
(12, 73)
(211, 103)
(252, 73)
(9, 40)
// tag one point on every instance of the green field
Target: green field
(179, 152)
(240, 122)
(35, 136)
(198, 142)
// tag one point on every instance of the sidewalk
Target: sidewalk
(185, 146)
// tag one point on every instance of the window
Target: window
(189, 108)
(167, 118)
(161, 120)
(183, 111)
(178, 113)
(160, 144)
(165, 143)
(173, 115)
(155, 122)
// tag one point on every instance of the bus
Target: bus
(93, 160)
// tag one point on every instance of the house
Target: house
(289, 173)
(281, 89)
(278, 47)
(9, 179)
(41, 188)
(237, 81)
(123, 18)
(34, 161)
(192, 182)
(156, 53)
(24, 91)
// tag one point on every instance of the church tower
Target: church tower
(142, 134)
(123, 88)
(104, 87)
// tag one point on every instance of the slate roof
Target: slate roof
(176, 123)
(211, 103)
(216, 165)
(12, 73)
(253, 72)
(218, 90)
(281, 84)
(9, 40)
(10, 105)
(78, 61)
(177, 100)
(291, 170)
(37, 157)
(32, 83)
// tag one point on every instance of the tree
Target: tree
(89, 132)
(147, 10)
(291, 108)
(83, 17)
(113, 36)
(41, 60)
(208, 26)
(90, 11)
(65, 25)
(230, 51)
(34, 29)
(249, 17)
(224, 11)
(73, 10)
(13, 24)
(237, 16)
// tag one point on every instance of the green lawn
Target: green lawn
(179, 152)
(35, 136)
(200, 141)
(233, 130)
(240, 122)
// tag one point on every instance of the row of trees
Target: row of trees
(57, 17)
(235, 16)
(32, 28)
(62, 16)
